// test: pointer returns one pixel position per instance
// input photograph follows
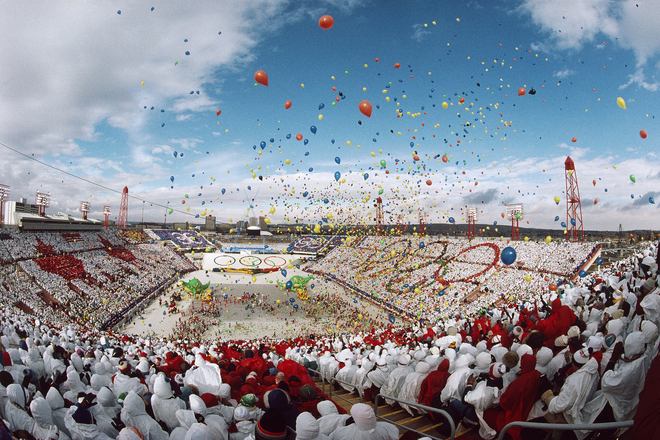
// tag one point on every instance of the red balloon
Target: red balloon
(299, 137)
(376, 59)
(415, 158)
(444, 159)
(326, 22)
(218, 113)
(574, 139)
(462, 100)
(287, 105)
(594, 182)
(397, 65)
(429, 183)
(261, 77)
(365, 108)
(521, 91)
(552, 287)
(643, 134)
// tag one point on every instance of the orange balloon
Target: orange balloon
(261, 77)
(415, 158)
(397, 65)
(299, 137)
(521, 91)
(429, 183)
(376, 59)
(444, 159)
(287, 105)
(574, 139)
(218, 113)
(552, 287)
(502, 215)
(462, 100)
(365, 108)
(594, 182)
(642, 134)
(595, 201)
(326, 22)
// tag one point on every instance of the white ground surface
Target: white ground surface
(236, 322)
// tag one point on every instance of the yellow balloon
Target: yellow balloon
(320, 117)
(528, 278)
(557, 199)
(445, 105)
(621, 102)
(288, 161)
(548, 239)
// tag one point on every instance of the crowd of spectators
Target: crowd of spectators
(578, 354)
(429, 278)
(186, 239)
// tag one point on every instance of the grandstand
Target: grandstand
(187, 240)
(315, 244)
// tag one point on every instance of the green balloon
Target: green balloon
(384, 164)
(632, 178)
(380, 191)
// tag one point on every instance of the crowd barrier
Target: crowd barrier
(566, 427)
(418, 406)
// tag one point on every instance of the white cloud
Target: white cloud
(564, 73)
(420, 32)
(639, 79)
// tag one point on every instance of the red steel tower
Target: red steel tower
(379, 215)
(514, 212)
(123, 209)
(575, 231)
(472, 223)
(106, 213)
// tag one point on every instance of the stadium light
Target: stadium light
(106, 213)
(4, 193)
(85, 207)
(42, 200)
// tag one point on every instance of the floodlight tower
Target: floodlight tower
(423, 221)
(85, 208)
(106, 213)
(472, 223)
(574, 224)
(514, 212)
(42, 200)
(123, 209)
(379, 215)
(4, 193)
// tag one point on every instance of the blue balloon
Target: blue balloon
(422, 245)
(272, 140)
(337, 176)
(573, 222)
(321, 106)
(508, 255)
(311, 169)
(171, 178)
(292, 300)
(313, 129)
(495, 223)
(326, 201)
(556, 218)
(366, 176)
(305, 194)
(332, 141)
(311, 285)
(223, 190)
(288, 136)
(175, 154)
(651, 200)
(283, 272)
(599, 261)
(582, 273)
(263, 144)
(306, 141)
(295, 306)
(289, 285)
(337, 160)
(563, 224)
(306, 153)
(632, 196)
(451, 220)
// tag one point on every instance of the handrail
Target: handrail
(567, 427)
(417, 405)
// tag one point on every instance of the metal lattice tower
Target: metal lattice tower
(514, 212)
(472, 223)
(123, 209)
(575, 228)
(4, 193)
(379, 215)
(106, 213)
(423, 221)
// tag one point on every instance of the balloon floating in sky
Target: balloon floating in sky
(261, 77)
(313, 129)
(557, 200)
(217, 113)
(338, 160)
(365, 108)
(508, 255)
(632, 178)
(299, 136)
(326, 22)
(556, 218)
(397, 65)
(651, 201)
(574, 139)
(532, 91)
(337, 176)
(451, 220)
(383, 163)
(621, 102)
(521, 91)
(287, 105)
(642, 134)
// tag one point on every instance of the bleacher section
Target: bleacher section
(182, 239)
(316, 244)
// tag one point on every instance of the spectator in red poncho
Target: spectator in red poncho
(557, 324)
(517, 401)
(434, 383)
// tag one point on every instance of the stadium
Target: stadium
(345, 220)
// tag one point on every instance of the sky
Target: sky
(161, 97)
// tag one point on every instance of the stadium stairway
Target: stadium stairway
(394, 414)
